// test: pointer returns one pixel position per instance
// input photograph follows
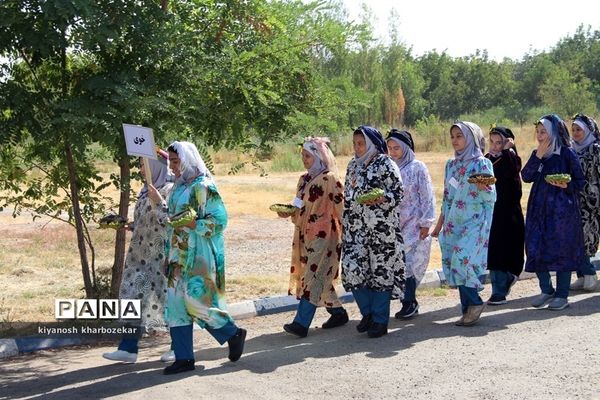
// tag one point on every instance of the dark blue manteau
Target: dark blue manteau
(553, 230)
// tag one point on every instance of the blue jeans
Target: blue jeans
(501, 280)
(563, 280)
(182, 338)
(375, 303)
(468, 297)
(586, 269)
(129, 345)
(306, 312)
(410, 293)
(129, 342)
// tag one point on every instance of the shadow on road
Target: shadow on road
(268, 352)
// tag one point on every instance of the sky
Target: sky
(506, 28)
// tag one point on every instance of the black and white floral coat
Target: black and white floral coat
(589, 198)
(373, 249)
(142, 274)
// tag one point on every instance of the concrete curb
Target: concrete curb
(246, 309)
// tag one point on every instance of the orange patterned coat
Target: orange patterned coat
(316, 248)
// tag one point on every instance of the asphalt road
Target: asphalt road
(515, 352)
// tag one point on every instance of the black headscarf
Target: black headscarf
(375, 136)
(403, 136)
(505, 132)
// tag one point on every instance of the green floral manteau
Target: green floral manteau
(196, 258)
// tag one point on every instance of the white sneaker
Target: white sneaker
(589, 282)
(120, 355)
(168, 356)
(578, 284)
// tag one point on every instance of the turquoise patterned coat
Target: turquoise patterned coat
(196, 258)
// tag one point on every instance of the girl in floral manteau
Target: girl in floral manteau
(463, 226)
(415, 217)
(196, 261)
(585, 139)
(373, 250)
(317, 241)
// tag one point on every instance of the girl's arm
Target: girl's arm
(438, 227)
(577, 177)
(426, 202)
(532, 170)
(487, 193)
(392, 182)
(212, 216)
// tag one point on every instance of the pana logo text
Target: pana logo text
(97, 309)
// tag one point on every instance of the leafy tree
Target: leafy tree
(229, 74)
(566, 94)
(74, 72)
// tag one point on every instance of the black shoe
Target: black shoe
(179, 366)
(496, 300)
(336, 320)
(364, 324)
(236, 344)
(377, 330)
(296, 329)
(408, 310)
(512, 283)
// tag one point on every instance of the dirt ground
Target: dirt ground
(515, 352)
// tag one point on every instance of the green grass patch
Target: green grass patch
(287, 161)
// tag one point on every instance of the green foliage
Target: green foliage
(287, 159)
(567, 94)
(495, 115)
(431, 134)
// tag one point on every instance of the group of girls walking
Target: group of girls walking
(383, 243)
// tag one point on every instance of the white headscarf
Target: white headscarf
(407, 154)
(555, 143)
(474, 138)
(371, 150)
(588, 138)
(191, 164)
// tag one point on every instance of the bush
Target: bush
(431, 134)
(287, 158)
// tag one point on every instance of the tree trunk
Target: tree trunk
(90, 289)
(120, 240)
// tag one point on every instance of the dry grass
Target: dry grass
(257, 285)
(39, 263)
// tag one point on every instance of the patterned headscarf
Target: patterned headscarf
(374, 141)
(191, 164)
(590, 128)
(474, 138)
(558, 132)
(318, 147)
(404, 139)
